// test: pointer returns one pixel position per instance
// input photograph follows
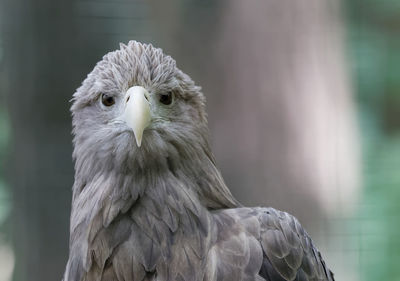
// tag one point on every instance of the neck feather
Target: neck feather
(165, 197)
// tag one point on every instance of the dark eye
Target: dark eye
(107, 100)
(166, 98)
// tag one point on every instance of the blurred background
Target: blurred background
(303, 102)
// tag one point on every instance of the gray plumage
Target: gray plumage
(162, 211)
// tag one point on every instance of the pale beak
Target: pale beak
(137, 111)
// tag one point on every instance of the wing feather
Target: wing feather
(285, 251)
(289, 249)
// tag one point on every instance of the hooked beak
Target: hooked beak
(137, 111)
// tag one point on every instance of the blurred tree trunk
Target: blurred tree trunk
(288, 95)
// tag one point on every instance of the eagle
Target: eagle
(149, 203)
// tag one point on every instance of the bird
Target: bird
(148, 201)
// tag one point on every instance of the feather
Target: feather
(162, 211)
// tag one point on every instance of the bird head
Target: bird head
(137, 109)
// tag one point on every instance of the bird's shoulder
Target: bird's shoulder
(286, 250)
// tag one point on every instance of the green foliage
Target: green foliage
(374, 47)
(379, 228)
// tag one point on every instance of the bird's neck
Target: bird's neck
(194, 179)
(156, 200)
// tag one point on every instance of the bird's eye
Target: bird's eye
(107, 100)
(166, 98)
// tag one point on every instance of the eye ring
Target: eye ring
(107, 100)
(166, 98)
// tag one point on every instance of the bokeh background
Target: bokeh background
(304, 113)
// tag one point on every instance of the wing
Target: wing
(266, 244)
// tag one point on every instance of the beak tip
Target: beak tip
(138, 139)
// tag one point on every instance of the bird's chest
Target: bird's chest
(175, 257)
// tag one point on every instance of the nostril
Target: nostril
(146, 97)
(128, 98)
